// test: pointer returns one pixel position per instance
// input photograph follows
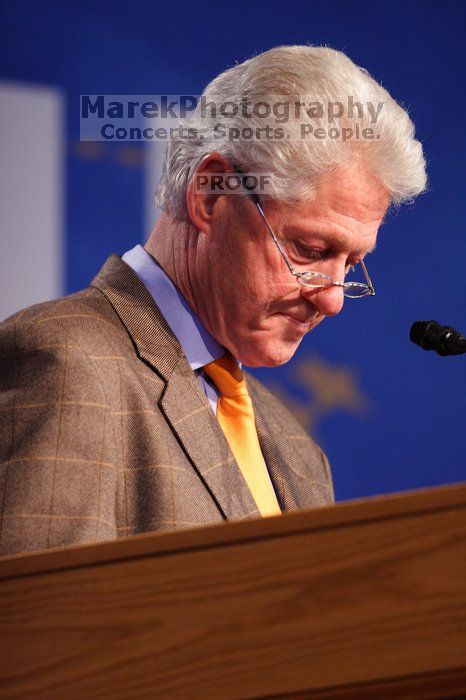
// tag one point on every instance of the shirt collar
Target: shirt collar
(198, 345)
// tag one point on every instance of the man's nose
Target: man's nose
(328, 300)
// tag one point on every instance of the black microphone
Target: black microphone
(430, 335)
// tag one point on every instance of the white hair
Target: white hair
(306, 73)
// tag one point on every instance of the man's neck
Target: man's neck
(173, 244)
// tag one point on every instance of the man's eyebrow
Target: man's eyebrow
(333, 239)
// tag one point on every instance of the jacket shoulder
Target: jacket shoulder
(85, 318)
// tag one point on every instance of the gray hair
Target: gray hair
(298, 74)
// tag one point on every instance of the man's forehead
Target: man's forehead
(346, 210)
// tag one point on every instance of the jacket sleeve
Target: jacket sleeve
(57, 458)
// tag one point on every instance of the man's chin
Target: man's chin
(273, 354)
(269, 348)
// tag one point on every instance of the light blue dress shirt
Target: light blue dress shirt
(197, 343)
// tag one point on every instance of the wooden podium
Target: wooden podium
(362, 600)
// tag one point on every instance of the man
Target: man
(124, 407)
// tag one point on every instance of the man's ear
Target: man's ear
(205, 190)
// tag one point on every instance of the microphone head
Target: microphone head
(444, 340)
(426, 334)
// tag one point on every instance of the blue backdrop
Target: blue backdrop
(390, 416)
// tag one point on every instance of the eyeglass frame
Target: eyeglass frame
(300, 275)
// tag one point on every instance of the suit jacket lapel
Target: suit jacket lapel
(193, 422)
(269, 433)
(285, 464)
(182, 402)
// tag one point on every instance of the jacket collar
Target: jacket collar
(137, 310)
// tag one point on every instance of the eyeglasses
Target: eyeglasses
(318, 280)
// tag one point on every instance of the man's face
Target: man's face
(246, 295)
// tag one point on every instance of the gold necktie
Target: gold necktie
(236, 417)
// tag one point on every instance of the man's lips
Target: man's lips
(302, 323)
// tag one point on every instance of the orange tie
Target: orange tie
(236, 417)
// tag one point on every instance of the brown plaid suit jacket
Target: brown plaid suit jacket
(106, 432)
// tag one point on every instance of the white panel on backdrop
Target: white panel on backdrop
(31, 195)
